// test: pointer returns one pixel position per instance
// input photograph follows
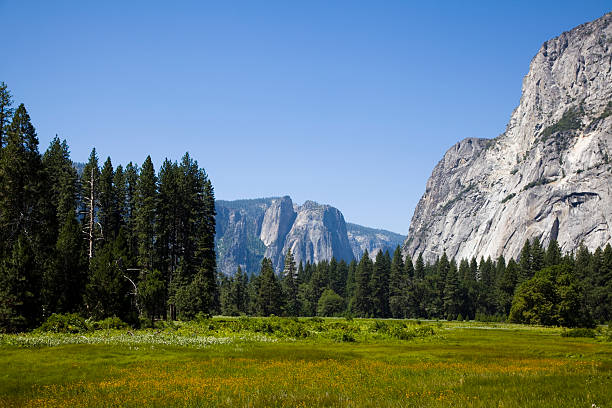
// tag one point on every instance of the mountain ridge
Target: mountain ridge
(250, 229)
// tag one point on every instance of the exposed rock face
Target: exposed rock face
(318, 233)
(372, 240)
(248, 230)
(548, 176)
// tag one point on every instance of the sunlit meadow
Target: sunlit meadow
(331, 362)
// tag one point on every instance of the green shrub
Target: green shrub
(112, 323)
(64, 323)
(508, 197)
(571, 120)
(579, 332)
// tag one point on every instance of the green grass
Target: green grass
(462, 364)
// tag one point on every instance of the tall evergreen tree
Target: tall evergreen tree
(506, 287)
(350, 280)
(131, 181)
(146, 202)
(380, 285)
(151, 294)
(398, 285)
(290, 286)
(239, 291)
(452, 291)
(525, 262)
(361, 301)
(419, 267)
(107, 292)
(553, 254)
(6, 112)
(64, 281)
(25, 240)
(537, 255)
(108, 214)
(269, 295)
(62, 178)
(20, 306)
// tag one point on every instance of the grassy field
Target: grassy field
(258, 363)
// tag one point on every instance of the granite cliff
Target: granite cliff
(372, 240)
(548, 176)
(248, 230)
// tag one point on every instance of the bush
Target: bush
(482, 317)
(65, 323)
(580, 332)
(330, 304)
(111, 323)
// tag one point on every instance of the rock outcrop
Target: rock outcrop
(248, 230)
(371, 239)
(549, 176)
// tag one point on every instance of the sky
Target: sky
(347, 103)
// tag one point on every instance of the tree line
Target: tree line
(138, 244)
(543, 287)
(112, 241)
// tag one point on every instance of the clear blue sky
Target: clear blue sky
(346, 103)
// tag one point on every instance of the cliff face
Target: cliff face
(549, 176)
(248, 230)
(372, 240)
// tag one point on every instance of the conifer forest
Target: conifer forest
(136, 243)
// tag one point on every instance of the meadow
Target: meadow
(276, 362)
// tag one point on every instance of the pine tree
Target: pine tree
(341, 278)
(108, 213)
(194, 239)
(337, 276)
(146, 196)
(473, 269)
(507, 286)
(553, 254)
(350, 280)
(239, 291)
(398, 285)
(419, 267)
(62, 178)
(131, 181)
(20, 307)
(25, 237)
(64, 277)
(6, 112)
(583, 262)
(409, 268)
(269, 295)
(464, 270)
(379, 283)
(537, 255)
(525, 262)
(120, 188)
(452, 305)
(361, 301)
(602, 289)
(151, 294)
(107, 292)
(169, 204)
(70, 270)
(290, 286)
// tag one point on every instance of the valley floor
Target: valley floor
(459, 365)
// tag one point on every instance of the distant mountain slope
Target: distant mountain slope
(248, 230)
(362, 238)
